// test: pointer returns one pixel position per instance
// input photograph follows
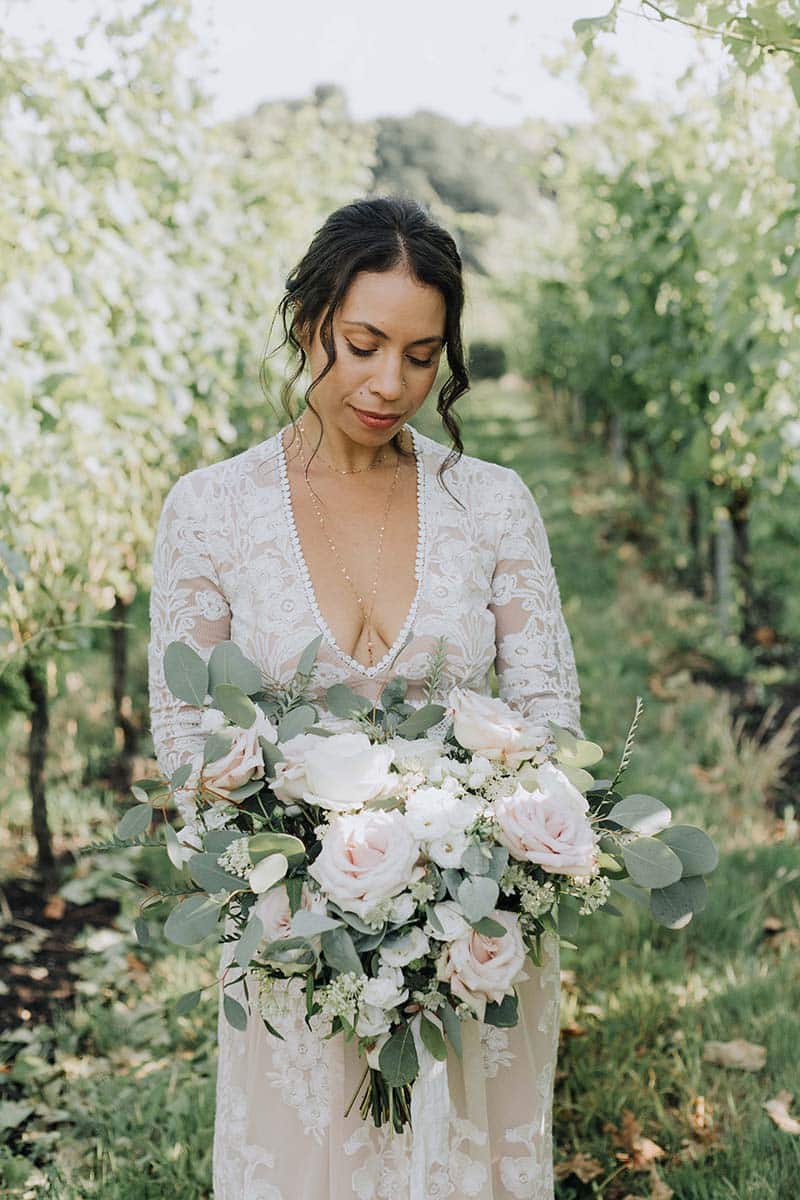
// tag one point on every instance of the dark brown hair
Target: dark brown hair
(375, 234)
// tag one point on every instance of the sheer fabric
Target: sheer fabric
(228, 564)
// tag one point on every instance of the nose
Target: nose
(387, 379)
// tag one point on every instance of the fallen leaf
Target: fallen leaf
(778, 1109)
(55, 908)
(582, 1165)
(637, 1151)
(745, 1056)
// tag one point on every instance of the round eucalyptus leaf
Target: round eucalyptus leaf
(209, 875)
(186, 1003)
(694, 848)
(650, 863)
(674, 906)
(192, 920)
(237, 707)
(228, 664)
(186, 673)
(295, 721)
(477, 895)
(642, 814)
(267, 872)
(249, 941)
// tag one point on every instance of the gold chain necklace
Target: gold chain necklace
(366, 613)
(348, 470)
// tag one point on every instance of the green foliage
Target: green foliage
(487, 360)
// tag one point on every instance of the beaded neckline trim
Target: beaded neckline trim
(305, 575)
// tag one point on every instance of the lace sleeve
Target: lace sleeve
(187, 604)
(535, 662)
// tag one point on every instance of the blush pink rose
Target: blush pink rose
(548, 827)
(243, 762)
(275, 914)
(491, 728)
(480, 968)
(366, 857)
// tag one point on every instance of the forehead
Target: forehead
(395, 302)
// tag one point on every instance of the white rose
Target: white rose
(244, 761)
(553, 781)
(447, 851)
(397, 952)
(492, 728)
(434, 812)
(366, 857)
(290, 781)
(275, 913)
(453, 922)
(547, 828)
(480, 968)
(372, 1021)
(345, 772)
(387, 989)
(480, 770)
(402, 908)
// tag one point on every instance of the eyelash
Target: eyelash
(418, 362)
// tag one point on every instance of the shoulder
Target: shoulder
(477, 482)
(206, 488)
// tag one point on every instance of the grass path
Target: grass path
(123, 1095)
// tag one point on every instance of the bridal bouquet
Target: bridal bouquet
(391, 868)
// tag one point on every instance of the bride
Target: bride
(349, 523)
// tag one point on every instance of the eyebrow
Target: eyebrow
(428, 341)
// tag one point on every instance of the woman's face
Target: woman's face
(389, 334)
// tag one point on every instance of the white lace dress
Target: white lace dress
(228, 564)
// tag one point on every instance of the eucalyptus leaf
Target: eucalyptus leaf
(344, 702)
(174, 848)
(235, 1014)
(179, 777)
(452, 1026)
(475, 861)
(217, 745)
(228, 664)
(432, 1039)
(209, 875)
(503, 1015)
(625, 888)
(237, 706)
(262, 844)
(186, 1003)
(296, 721)
(420, 720)
(693, 847)
(489, 928)
(192, 920)
(308, 658)
(567, 915)
(650, 863)
(249, 942)
(674, 906)
(217, 840)
(398, 1057)
(453, 880)
(267, 872)
(185, 673)
(641, 814)
(272, 755)
(339, 952)
(478, 895)
(251, 788)
(135, 821)
(142, 930)
(308, 924)
(394, 692)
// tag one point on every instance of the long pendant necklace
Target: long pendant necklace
(366, 612)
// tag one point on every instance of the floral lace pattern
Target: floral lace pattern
(225, 565)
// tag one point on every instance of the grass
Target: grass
(123, 1091)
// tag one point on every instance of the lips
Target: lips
(376, 420)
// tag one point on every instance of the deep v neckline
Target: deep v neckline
(305, 574)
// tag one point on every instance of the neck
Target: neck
(338, 450)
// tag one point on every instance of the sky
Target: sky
(470, 60)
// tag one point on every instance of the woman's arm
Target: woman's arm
(535, 662)
(187, 604)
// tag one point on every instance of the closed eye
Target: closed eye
(418, 362)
